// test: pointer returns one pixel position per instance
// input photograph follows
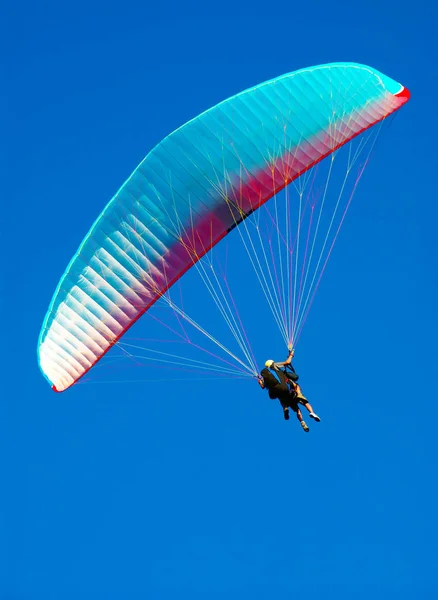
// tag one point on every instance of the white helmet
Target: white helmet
(269, 363)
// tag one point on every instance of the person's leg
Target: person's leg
(300, 396)
(285, 409)
(311, 413)
(301, 420)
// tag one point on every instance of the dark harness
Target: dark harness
(280, 385)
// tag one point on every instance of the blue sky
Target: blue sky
(195, 491)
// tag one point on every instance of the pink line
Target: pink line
(240, 321)
(331, 247)
(282, 307)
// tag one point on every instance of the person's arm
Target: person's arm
(261, 382)
(287, 361)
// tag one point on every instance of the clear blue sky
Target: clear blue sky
(123, 492)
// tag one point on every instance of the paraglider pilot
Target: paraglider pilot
(280, 379)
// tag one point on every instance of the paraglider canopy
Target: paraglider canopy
(192, 189)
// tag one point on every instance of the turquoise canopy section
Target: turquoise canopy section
(191, 190)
